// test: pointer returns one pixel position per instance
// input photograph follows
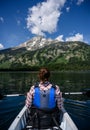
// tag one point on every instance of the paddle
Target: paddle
(85, 92)
(9, 95)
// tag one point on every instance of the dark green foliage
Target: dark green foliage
(56, 56)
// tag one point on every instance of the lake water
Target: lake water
(78, 106)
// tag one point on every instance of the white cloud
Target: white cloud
(1, 46)
(44, 17)
(68, 9)
(79, 2)
(76, 37)
(2, 19)
(60, 38)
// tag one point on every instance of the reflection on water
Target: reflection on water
(9, 108)
(79, 112)
(16, 82)
(20, 82)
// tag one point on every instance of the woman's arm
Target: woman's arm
(59, 97)
(29, 97)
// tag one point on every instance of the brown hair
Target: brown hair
(44, 74)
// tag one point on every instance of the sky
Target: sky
(64, 20)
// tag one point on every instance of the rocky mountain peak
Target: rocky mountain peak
(36, 43)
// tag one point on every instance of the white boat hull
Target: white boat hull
(20, 121)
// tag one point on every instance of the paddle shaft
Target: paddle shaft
(72, 93)
(86, 92)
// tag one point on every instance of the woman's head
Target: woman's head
(44, 74)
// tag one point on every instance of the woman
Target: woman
(44, 95)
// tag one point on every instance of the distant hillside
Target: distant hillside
(39, 51)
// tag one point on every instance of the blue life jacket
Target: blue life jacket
(44, 99)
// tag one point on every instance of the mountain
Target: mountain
(36, 43)
(54, 54)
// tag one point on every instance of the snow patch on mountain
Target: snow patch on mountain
(36, 43)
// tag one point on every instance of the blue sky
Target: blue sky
(65, 20)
